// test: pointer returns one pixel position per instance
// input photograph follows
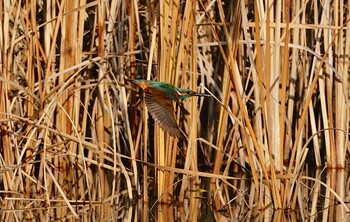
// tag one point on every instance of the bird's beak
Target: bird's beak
(201, 94)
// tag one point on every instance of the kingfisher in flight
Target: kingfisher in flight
(159, 97)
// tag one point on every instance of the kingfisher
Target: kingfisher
(159, 97)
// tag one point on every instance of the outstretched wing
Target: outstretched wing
(165, 92)
(162, 111)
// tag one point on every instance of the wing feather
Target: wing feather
(162, 111)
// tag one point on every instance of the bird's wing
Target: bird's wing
(162, 111)
(166, 92)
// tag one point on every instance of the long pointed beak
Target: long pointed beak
(201, 94)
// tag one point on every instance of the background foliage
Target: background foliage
(76, 140)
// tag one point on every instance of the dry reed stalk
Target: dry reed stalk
(341, 87)
(70, 55)
(164, 73)
(284, 80)
(191, 161)
(186, 75)
(273, 126)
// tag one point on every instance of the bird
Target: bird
(159, 98)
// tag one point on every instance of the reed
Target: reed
(77, 140)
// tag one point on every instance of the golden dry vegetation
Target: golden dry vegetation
(76, 140)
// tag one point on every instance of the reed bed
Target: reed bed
(77, 141)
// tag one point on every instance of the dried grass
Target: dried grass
(76, 140)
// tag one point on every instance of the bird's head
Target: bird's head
(185, 93)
